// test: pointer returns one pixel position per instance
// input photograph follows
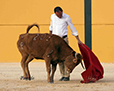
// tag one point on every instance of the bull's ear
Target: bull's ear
(74, 60)
(73, 53)
(79, 56)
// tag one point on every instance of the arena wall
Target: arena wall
(16, 15)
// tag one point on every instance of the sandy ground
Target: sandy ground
(10, 74)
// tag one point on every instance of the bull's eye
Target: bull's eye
(74, 60)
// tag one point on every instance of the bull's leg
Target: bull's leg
(30, 58)
(24, 57)
(53, 71)
(48, 68)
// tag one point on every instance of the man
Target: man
(58, 26)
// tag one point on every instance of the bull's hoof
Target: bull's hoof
(26, 78)
(22, 78)
(51, 82)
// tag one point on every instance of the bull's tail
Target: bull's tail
(30, 26)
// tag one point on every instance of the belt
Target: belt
(64, 36)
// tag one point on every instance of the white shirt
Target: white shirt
(58, 25)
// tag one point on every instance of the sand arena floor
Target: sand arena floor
(10, 74)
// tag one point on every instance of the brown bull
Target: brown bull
(49, 47)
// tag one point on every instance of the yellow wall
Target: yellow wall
(103, 29)
(15, 15)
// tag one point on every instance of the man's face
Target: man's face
(59, 14)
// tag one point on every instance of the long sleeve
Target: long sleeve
(73, 29)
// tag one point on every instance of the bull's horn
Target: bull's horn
(82, 65)
(76, 56)
(81, 60)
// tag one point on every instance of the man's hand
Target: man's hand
(50, 32)
(79, 41)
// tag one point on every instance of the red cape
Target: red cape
(94, 70)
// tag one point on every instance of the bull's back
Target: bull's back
(39, 44)
(36, 44)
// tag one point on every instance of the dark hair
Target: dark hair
(57, 9)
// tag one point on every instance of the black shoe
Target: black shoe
(66, 79)
(61, 79)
